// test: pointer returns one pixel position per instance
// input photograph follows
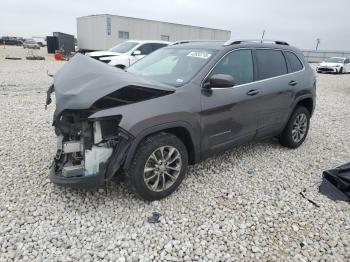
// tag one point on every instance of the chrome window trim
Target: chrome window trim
(257, 81)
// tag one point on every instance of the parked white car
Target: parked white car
(338, 65)
(30, 43)
(127, 53)
(40, 40)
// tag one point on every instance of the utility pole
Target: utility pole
(318, 41)
(262, 37)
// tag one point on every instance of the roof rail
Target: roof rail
(237, 42)
(194, 41)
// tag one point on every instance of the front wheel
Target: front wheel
(158, 167)
(341, 70)
(297, 128)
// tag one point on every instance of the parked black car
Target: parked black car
(177, 106)
(6, 40)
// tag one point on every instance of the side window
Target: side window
(347, 61)
(145, 49)
(238, 64)
(293, 61)
(157, 46)
(270, 63)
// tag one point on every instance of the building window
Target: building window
(123, 35)
(164, 37)
(109, 26)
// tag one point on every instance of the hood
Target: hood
(102, 53)
(82, 81)
(331, 64)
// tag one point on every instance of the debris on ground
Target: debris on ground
(308, 199)
(13, 58)
(336, 183)
(35, 58)
(249, 173)
(154, 218)
(32, 55)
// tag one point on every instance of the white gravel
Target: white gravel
(219, 213)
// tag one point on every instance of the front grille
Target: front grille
(325, 69)
(105, 61)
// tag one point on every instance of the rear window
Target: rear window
(293, 61)
(270, 63)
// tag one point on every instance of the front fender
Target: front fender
(159, 128)
(119, 61)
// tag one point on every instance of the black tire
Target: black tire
(341, 70)
(134, 175)
(286, 139)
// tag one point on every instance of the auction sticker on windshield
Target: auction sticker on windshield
(201, 54)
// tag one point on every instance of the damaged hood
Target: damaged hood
(83, 80)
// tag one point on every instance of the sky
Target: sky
(299, 22)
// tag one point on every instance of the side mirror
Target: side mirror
(219, 81)
(136, 52)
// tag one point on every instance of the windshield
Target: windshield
(335, 60)
(123, 47)
(174, 67)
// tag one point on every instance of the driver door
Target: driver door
(229, 115)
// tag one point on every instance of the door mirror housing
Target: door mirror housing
(136, 52)
(220, 81)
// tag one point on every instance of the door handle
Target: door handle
(293, 83)
(253, 92)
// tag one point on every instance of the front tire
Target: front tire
(297, 128)
(158, 167)
(341, 71)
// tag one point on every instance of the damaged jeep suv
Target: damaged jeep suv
(175, 107)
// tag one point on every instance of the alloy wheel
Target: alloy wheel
(299, 127)
(162, 168)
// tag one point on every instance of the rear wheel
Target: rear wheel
(158, 167)
(297, 128)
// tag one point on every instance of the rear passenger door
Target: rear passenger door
(276, 89)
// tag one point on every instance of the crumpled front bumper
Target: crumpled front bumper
(80, 181)
(92, 158)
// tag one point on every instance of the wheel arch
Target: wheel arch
(306, 102)
(181, 130)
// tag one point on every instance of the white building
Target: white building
(101, 32)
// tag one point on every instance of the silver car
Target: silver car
(31, 44)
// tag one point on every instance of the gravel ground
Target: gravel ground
(218, 213)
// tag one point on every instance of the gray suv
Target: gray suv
(174, 108)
